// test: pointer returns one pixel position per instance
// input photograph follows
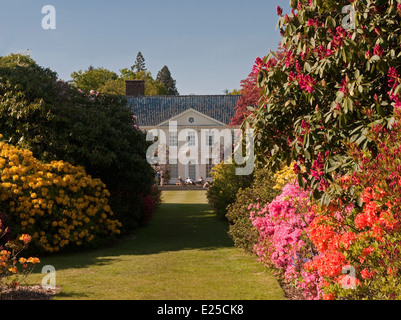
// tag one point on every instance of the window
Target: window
(173, 139)
(209, 140)
(191, 120)
(209, 167)
(174, 171)
(191, 139)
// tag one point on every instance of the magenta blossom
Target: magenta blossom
(307, 83)
(378, 50)
(259, 65)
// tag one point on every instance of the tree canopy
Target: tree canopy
(106, 81)
(56, 121)
(165, 78)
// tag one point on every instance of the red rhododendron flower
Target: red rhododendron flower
(259, 65)
(289, 59)
(378, 50)
(394, 77)
(307, 83)
(313, 22)
(347, 239)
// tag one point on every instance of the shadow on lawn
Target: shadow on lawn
(174, 227)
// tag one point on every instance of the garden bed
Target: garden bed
(28, 293)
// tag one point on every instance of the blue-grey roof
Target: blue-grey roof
(152, 110)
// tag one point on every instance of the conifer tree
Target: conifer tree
(139, 63)
(164, 77)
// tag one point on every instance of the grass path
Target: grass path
(184, 253)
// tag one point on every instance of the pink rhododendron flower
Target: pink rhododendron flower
(307, 83)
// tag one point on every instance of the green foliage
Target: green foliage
(139, 64)
(262, 190)
(165, 78)
(57, 122)
(93, 79)
(108, 82)
(329, 88)
(225, 186)
(233, 92)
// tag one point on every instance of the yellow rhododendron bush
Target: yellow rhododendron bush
(58, 204)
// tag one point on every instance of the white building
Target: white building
(194, 128)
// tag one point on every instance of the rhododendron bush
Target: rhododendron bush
(331, 107)
(330, 86)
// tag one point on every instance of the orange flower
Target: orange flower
(13, 270)
(328, 297)
(22, 260)
(366, 274)
(26, 238)
(33, 260)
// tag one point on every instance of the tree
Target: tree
(56, 121)
(330, 88)
(152, 86)
(233, 92)
(114, 87)
(250, 92)
(92, 79)
(250, 98)
(139, 63)
(165, 78)
(108, 82)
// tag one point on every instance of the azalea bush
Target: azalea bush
(283, 243)
(14, 269)
(330, 87)
(58, 204)
(364, 240)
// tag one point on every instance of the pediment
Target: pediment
(194, 118)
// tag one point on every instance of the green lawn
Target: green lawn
(184, 253)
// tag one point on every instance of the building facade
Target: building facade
(192, 131)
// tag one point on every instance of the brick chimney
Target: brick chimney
(134, 88)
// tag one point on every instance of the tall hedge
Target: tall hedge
(59, 122)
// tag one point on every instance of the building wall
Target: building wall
(199, 154)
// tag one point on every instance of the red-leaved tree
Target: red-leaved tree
(250, 97)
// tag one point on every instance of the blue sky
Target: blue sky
(208, 45)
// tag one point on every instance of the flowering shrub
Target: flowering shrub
(56, 203)
(329, 87)
(283, 240)
(283, 177)
(56, 121)
(366, 238)
(225, 186)
(14, 270)
(150, 203)
(330, 105)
